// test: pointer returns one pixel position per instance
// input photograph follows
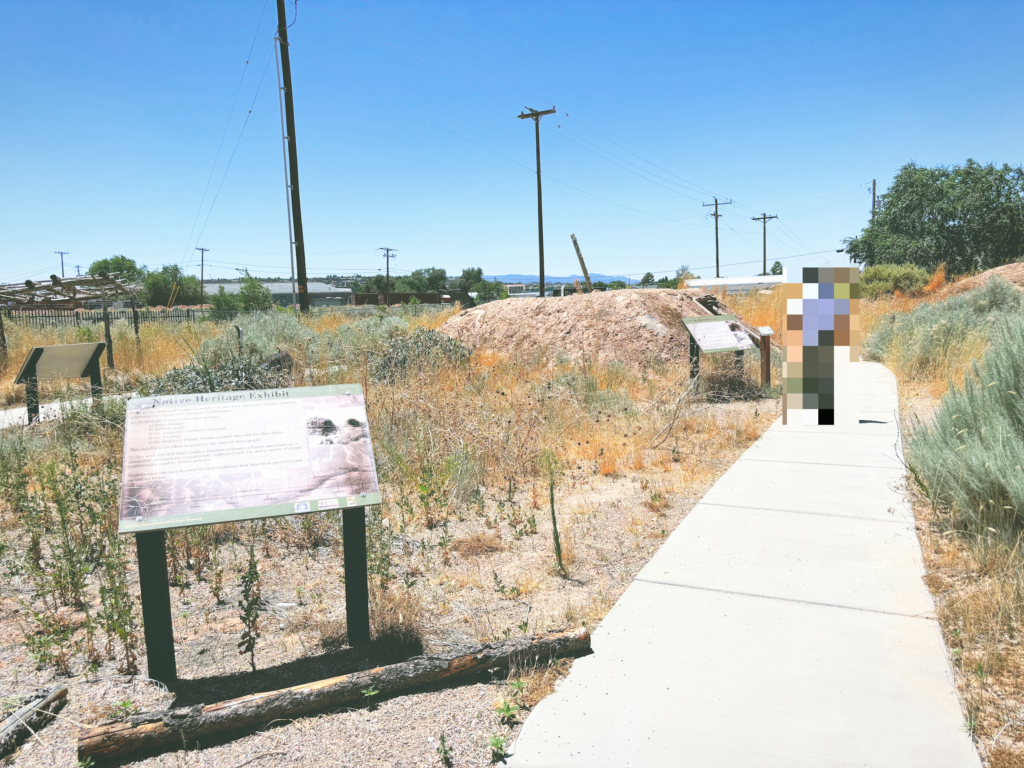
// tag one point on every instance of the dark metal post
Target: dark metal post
(766, 359)
(106, 330)
(293, 158)
(32, 397)
(156, 606)
(357, 587)
(694, 359)
(3, 343)
(135, 323)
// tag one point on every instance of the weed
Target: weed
(552, 469)
(505, 591)
(249, 603)
(444, 752)
(507, 712)
(497, 745)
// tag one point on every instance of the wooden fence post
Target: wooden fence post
(694, 358)
(106, 330)
(3, 343)
(156, 606)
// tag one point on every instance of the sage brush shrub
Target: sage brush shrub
(932, 332)
(421, 349)
(889, 278)
(970, 458)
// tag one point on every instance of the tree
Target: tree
(777, 268)
(969, 217)
(684, 273)
(126, 268)
(255, 296)
(647, 280)
(616, 285)
(472, 280)
(223, 300)
(157, 287)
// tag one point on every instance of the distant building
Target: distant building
(320, 294)
(736, 284)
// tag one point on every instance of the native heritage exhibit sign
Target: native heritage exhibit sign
(226, 456)
(718, 333)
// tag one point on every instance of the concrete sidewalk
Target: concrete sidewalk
(783, 623)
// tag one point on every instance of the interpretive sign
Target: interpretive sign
(718, 333)
(63, 361)
(226, 456)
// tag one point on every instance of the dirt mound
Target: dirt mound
(1012, 272)
(633, 327)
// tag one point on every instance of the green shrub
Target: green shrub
(420, 349)
(889, 278)
(970, 457)
(934, 333)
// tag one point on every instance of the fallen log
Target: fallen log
(153, 730)
(37, 710)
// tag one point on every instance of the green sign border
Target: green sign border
(196, 519)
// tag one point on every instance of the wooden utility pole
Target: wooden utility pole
(388, 256)
(763, 218)
(202, 276)
(293, 157)
(874, 198)
(717, 216)
(62, 255)
(583, 265)
(533, 113)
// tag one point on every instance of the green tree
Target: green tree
(255, 296)
(226, 301)
(616, 285)
(776, 268)
(126, 268)
(157, 287)
(647, 280)
(684, 273)
(969, 217)
(472, 279)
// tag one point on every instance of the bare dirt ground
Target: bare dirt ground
(635, 328)
(489, 575)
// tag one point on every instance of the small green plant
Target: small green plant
(497, 744)
(444, 751)
(507, 712)
(368, 694)
(249, 603)
(518, 686)
(123, 709)
(504, 591)
(552, 468)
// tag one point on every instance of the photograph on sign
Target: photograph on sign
(226, 456)
(721, 333)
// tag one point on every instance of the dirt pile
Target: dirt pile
(633, 327)
(1012, 272)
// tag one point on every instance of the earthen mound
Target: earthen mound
(1012, 272)
(633, 327)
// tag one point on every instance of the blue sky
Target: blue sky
(408, 137)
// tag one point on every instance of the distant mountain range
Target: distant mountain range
(595, 278)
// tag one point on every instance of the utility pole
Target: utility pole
(293, 157)
(763, 218)
(583, 265)
(717, 216)
(62, 255)
(388, 256)
(874, 199)
(78, 269)
(202, 276)
(533, 113)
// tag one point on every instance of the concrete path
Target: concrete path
(784, 623)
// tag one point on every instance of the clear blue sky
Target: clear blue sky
(114, 112)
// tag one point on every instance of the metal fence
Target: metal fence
(52, 318)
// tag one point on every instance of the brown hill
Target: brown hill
(634, 327)
(1012, 272)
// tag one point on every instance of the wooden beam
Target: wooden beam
(171, 728)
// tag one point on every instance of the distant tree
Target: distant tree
(616, 285)
(431, 279)
(157, 287)
(600, 285)
(126, 268)
(684, 273)
(226, 301)
(777, 268)
(667, 282)
(969, 217)
(255, 296)
(647, 280)
(472, 280)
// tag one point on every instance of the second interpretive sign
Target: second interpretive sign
(227, 456)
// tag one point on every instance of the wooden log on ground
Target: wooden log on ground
(37, 710)
(154, 730)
